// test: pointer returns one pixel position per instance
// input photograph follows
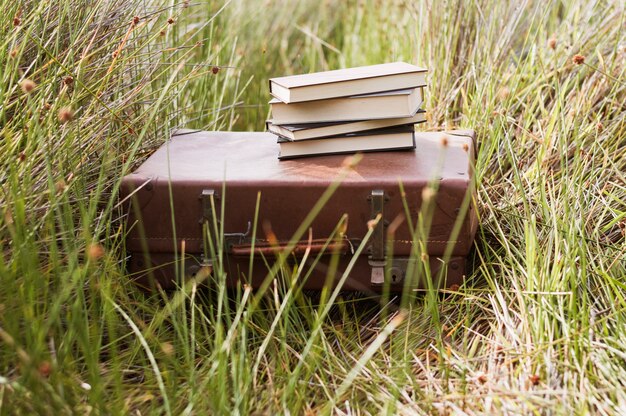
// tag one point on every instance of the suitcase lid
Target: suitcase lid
(195, 161)
(201, 156)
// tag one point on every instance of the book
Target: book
(380, 140)
(346, 82)
(389, 104)
(297, 132)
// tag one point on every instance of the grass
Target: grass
(87, 92)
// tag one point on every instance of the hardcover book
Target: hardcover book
(297, 132)
(389, 104)
(346, 82)
(396, 138)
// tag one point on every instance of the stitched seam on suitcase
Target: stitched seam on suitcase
(265, 241)
(428, 241)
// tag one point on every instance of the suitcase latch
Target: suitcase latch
(377, 259)
(208, 198)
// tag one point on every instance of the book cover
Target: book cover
(307, 131)
(401, 138)
(348, 81)
(389, 104)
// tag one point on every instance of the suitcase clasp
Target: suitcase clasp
(209, 219)
(210, 216)
(377, 278)
(208, 197)
(234, 239)
(377, 259)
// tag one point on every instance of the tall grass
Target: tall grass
(89, 88)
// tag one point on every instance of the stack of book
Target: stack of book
(363, 109)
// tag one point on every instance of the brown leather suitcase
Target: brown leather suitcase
(197, 199)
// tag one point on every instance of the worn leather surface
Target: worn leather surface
(241, 166)
(239, 157)
(166, 270)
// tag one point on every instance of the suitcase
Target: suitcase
(202, 196)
